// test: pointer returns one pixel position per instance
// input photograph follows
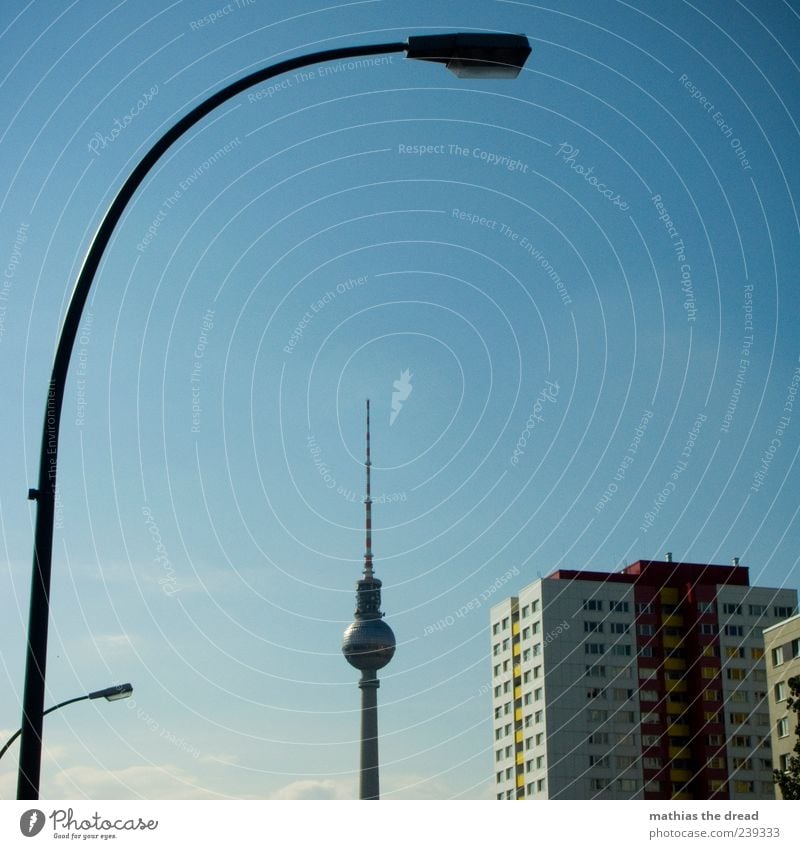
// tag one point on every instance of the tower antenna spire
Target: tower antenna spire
(368, 509)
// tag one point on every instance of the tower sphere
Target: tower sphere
(368, 644)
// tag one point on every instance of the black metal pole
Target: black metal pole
(44, 494)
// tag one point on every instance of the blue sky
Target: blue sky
(589, 272)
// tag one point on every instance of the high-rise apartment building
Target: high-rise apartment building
(648, 683)
(782, 647)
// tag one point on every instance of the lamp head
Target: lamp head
(112, 694)
(473, 55)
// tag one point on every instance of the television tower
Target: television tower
(368, 644)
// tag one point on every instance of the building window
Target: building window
(537, 649)
(535, 628)
(537, 694)
(757, 609)
(600, 738)
(739, 696)
(528, 721)
(707, 628)
(756, 653)
(650, 740)
(595, 671)
(505, 623)
(647, 674)
(497, 670)
(744, 786)
(711, 695)
(626, 784)
(526, 676)
(758, 675)
(783, 612)
(540, 785)
(622, 694)
(650, 719)
(737, 718)
(498, 733)
(648, 695)
(732, 609)
(598, 760)
(777, 656)
(526, 633)
(645, 630)
(742, 740)
(540, 739)
(780, 691)
(646, 651)
(644, 607)
(534, 605)
(593, 627)
(717, 763)
(619, 628)
(598, 715)
(598, 783)
(705, 606)
(711, 651)
(594, 648)
(537, 717)
(783, 727)
(736, 674)
(506, 644)
(540, 762)
(506, 686)
(592, 604)
(734, 651)
(742, 763)
(527, 699)
(652, 763)
(734, 630)
(537, 671)
(653, 787)
(618, 606)
(708, 672)
(623, 651)
(525, 611)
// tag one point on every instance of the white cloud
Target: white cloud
(136, 782)
(315, 789)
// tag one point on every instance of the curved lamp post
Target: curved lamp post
(111, 694)
(465, 54)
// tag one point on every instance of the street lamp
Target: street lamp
(111, 694)
(466, 54)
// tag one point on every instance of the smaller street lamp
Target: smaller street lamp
(111, 694)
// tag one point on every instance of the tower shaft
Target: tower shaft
(369, 782)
